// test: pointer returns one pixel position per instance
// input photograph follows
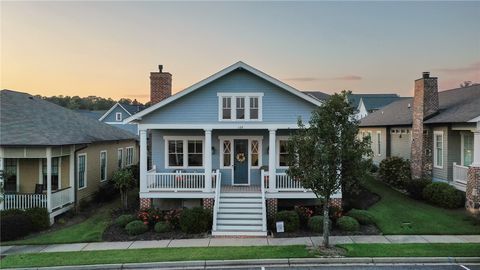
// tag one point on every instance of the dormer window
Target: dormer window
(118, 116)
(240, 106)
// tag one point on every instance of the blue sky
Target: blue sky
(108, 48)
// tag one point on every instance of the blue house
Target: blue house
(120, 112)
(221, 143)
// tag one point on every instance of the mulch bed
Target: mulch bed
(364, 230)
(116, 233)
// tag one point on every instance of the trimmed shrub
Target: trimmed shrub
(443, 195)
(362, 216)
(39, 218)
(348, 224)
(304, 213)
(162, 227)
(136, 227)
(123, 220)
(172, 217)
(415, 187)
(395, 171)
(14, 224)
(195, 220)
(290, 219)
(315, 224)
(105, 193)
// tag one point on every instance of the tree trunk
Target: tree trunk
(326, 225)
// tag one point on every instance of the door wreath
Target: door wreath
(240, 157)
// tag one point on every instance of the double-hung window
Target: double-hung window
(118, 116)
(103, 165)
(129, 156)
(82, 171)
(240, 106)
(120, 158)
(282, 153)
(467, 149)
(184, 152)
(379, 143)
(438, 149)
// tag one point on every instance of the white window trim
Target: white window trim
(379, 143)
(126, 155)
(250, 167)
(435, 133)
(118, 116)
(277, 154)
(78, 171)
(185, 140)
(233, 104)
(122, 160)
(106, 165)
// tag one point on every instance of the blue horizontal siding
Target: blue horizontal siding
(201, 106)
(111, 116)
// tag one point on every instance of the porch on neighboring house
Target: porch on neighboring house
(38, 177)
(462, 152)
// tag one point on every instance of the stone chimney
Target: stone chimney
(160, 85)
(425, 105)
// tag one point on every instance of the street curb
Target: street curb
(270, 262)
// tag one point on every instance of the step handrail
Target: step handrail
(216, 203)
(264, 210)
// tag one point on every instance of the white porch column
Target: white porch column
(49, 179)
(71, 174)
(143, 160)
(272, 166)
(208, 160)
(476, 146)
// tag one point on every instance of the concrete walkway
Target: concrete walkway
(260, 241)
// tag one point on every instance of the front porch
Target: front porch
(38, 177)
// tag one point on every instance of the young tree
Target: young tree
(123, 181)
(327, 154)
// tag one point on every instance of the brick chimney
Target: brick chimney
(160, 85)
(425, 104)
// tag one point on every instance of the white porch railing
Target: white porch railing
(180, 181)
(61, 197)
(460, 174)
(264, 202)
(24, 201)
(283, 182)
(218, 188)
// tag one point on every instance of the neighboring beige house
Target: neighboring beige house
(442, 142)
(53, 157)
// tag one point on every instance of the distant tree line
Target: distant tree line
(92, 103)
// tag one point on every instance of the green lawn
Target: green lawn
(412, 250)
(90, 230)
(397, 213)
(154, 255)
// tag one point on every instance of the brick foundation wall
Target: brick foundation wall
(208, 203)
(472, 193)
(272, 208)
(145, 203)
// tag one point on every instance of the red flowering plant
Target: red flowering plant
(304, 214)
(149, 216)
(172, 217)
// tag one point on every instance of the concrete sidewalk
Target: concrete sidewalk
(260, 241)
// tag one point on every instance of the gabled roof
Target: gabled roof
(455, 106)
(317, 94)
(132, 109)
(28, 120)
(377, 102)
(221, 73)
(92, 114)
(354, 99)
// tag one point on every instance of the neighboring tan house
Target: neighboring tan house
(53, 157)
(221, 143)
(438, 131)
(119, 112)
(368, 103)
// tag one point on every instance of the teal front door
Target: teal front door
(240, 163)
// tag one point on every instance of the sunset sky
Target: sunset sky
(108, 48)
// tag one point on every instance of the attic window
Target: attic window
(240, 106)
(118, 116)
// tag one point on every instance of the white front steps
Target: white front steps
(240, 214)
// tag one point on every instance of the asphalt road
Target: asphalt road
(367, 267)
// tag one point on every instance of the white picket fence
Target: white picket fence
(283, 182)
(460, 174)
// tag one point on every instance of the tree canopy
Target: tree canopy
(92, 103)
